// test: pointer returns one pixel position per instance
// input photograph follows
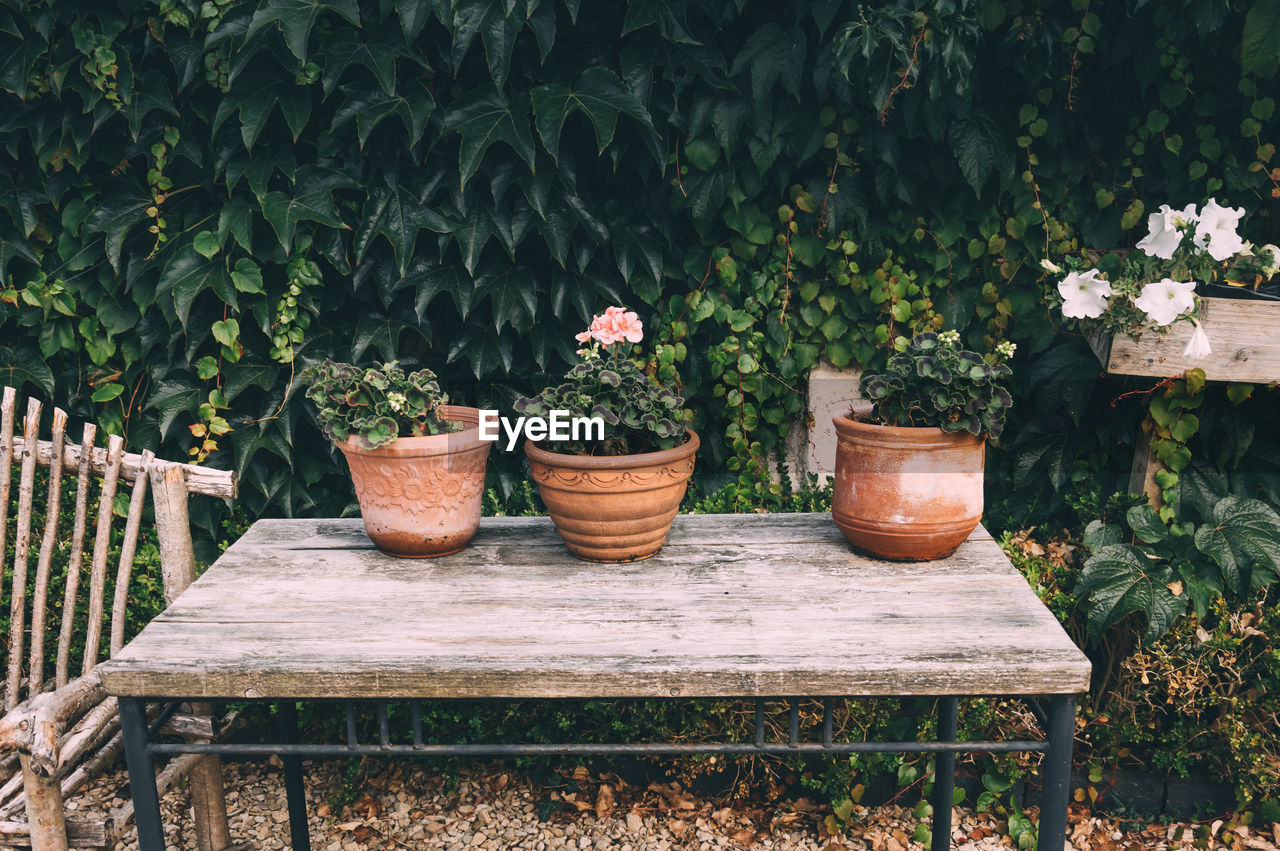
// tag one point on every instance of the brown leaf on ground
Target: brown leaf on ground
(604, 801)
(678, 827)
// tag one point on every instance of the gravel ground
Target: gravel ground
(409, 807)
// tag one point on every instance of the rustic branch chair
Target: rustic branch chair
(55, 734)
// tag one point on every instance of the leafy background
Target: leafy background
(198, 198)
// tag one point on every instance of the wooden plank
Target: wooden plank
(1243, 334)
(735, 605)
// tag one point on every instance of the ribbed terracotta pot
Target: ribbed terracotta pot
(613, 508)
(906, 494)
(420, 496)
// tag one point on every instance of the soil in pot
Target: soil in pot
(906, 494)
(420, 496)
(613, 508)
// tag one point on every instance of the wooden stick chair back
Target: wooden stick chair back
(21, 454)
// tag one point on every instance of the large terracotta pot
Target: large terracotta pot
(906, 494)
(420, 496)
(613, 508)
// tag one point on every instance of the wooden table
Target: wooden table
(744, 606)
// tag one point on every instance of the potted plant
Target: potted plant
(908, 481)
(417, 462)
(1145, 312)
(613, 494)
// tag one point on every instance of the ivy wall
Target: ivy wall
(199, 197)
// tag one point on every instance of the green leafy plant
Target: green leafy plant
(933, 382)
(1235, 549)
(639, 412)
(377, 404)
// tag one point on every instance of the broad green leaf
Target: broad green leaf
(226, 331)
(427, 283)
(499, 37)
(187, 275)
(1146, 524)
(20, 204)
(1098, 535)
(206, 242)
(107, 392)
(390, 210)
(667, 15)
(151, 94)
(236, 219)
(981, 148)
(483, 119)
(344, 49)
(1120, 580)
(171, 398)
(1239, 527)
(599, 94)
(246, 276)
(297, 17)
(772, 53)
(315, 203)
(368, 107)
(487, 353)
(21, 365)
(378, 332)
(1260, 48)
(125, 209)
(513, 294)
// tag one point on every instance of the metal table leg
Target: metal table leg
(142, 774)
(1056, 773)
(295, 790)
(944, 775)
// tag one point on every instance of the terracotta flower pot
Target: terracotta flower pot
(420, 496)
(906, 494)
(613, 508)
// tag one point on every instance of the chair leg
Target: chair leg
(208, 797)
(44, 809)
(1056, 773)
(944, 775)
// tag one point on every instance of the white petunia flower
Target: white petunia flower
(1166, 300)
(1198, 346)
(1216, 230)
(1084, 295)
(1165, 229)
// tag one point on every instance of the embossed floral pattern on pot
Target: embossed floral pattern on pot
(613, 508)
(420, 496)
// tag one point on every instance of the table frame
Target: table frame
(1056, 715)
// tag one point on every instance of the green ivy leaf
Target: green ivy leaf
(25, 365)
(207, 244)
(599, 94)
(315, 203)
(171, 398)
(981, 149)
(772, 53)
(667, 15)
(486, 118)
(187, 275)
(297, 17)
(107, 392)
(344, 49)
(246, 276)
(1146, 524)
(226, 331)
(1260, 48)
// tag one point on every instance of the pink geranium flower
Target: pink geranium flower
(614, 326)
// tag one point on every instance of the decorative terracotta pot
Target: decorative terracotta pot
(613, 508)
(420, 496)
(906, 494)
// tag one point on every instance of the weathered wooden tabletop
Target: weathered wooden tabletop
(734, 605)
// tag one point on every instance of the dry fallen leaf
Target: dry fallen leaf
(604, 801)
(678, 827)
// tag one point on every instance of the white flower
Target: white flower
(1166, 300)
(1198, 346)
(1084, 295)
(1164, 230)
(397, 401)
(1049, 266)
(1273, 263)
(1216, 230)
